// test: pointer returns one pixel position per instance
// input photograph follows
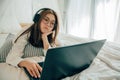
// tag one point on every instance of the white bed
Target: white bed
(106, 66)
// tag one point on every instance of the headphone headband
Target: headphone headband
(42, 10)
(37, 15)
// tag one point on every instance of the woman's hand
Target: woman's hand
(45, 40)
(32, 67)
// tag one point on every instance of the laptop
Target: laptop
(66, 61)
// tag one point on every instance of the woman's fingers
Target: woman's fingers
(34, 73)
(46, 34)
(49, 32)
(34, 70)
(39, 67)
(30, 72)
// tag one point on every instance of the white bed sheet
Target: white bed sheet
(106, 65)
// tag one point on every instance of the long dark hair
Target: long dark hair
(35, 32)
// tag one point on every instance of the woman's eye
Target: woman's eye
(53, 23)
(46, 19)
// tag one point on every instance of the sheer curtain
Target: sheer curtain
(78, 17)
(12, 13)
(106, 19)
(8, 20)
(98, 19)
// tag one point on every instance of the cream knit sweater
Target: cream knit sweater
(15, 54)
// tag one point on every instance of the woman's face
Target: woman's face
(47, 23)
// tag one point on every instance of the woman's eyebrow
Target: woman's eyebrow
(49, 18)
(46, 17)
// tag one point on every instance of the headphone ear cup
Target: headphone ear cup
(36, 18)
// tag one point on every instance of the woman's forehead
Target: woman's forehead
(50, 16)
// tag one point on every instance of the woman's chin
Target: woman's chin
(44, 32)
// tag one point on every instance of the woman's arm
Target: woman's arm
(14, 57)
(46, 43)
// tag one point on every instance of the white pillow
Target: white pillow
(2, 39)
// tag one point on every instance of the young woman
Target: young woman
(41, 34)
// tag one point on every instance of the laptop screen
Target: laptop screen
(69, 60)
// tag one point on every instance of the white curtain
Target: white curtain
(78, 17)
(98, 19)
(106, 19)
(8, 20)
(14, 12)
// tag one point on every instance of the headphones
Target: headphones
(37, 14)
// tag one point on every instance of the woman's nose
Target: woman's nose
(48, 24)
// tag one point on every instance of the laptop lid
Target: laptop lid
(68, 60)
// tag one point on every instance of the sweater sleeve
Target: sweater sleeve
(14, 56)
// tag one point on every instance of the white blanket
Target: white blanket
(106, 66)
